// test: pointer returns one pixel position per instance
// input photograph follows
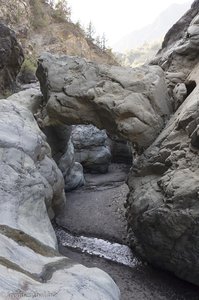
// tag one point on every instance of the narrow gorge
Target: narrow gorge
(99, 169)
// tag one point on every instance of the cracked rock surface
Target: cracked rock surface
(31, 191)
(163, 204)
(131, 103)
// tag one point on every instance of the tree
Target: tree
(98, 41)
(62, 10)
(90, 31)
(103, 42)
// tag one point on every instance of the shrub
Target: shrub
(28, 69)
(62, 11)
(39, 18)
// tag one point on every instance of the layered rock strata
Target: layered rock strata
(31, 191)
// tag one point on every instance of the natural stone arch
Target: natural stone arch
(131, 103)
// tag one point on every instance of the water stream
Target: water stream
(115, 252)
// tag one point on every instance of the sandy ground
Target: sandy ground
(139, 283)
(97, 209)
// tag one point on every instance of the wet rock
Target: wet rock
(130, 103)
(91, 149)
(11, 58)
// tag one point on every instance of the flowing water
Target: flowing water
(136, 280)
(92, 231)
(115, 252)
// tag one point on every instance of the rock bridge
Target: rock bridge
(131, 103)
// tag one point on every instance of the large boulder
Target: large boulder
(131, 103)
(91, 148)
(58, 137)
(11, 58)
(162, 207)
(31, 190)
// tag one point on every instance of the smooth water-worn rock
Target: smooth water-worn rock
(91, 148)
(59, 139)
(11, 58)
(163, 210)
(31, 191)
(131, 103)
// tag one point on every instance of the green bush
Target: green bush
(28, 69)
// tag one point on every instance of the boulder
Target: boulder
(59, 139)
(130, 103)
(11, 58)
(31, 191)
(162, 206)
(91, 148)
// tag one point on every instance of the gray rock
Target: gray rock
(121, 150)
(31, 188)
(11, 58)
(31, 98)
(71, 169)
(179, 94)
(58, 137)
(162, 207)
(179, 49)
(91, 149)
(131, 103)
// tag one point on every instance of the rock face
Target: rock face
(132, 103)
(31, 190)
(11, 58)
(179, 53)
(121, 150)
(59, 139)
(91, 149)
(162, 207)
(163, 210)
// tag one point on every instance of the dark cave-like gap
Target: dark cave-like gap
(190, 85)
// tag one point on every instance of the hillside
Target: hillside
(154, 31)
(140, 55)
(41, 28)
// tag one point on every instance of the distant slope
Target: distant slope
(40, 28)
(154, 31)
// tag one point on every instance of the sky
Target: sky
(118, 18)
